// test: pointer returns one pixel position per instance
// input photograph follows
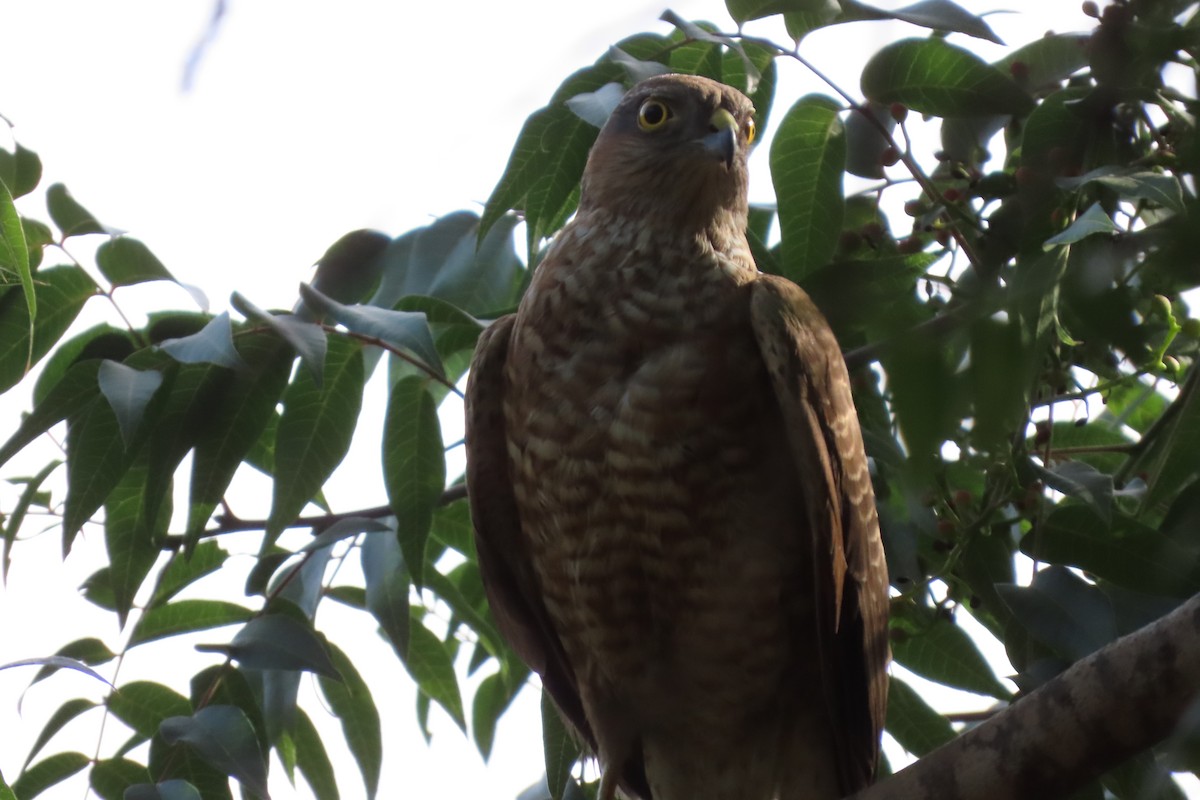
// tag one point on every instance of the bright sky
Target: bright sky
(305, 120)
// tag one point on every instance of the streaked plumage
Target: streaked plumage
(672, 504)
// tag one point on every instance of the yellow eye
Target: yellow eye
(750, 131)
(653, 115)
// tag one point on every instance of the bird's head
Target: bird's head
(675, 149)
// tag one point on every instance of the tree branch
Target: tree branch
(227, 523)
(1107, 707)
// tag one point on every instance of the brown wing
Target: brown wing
(813, 389)
(508, 578)
(504, 562)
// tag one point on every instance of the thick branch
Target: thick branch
(1116, 702)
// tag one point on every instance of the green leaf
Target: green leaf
(344, 529)
(430, 665)
(1094, 220)
(277, 641)
(925, 392)
(1156, 187)
(59, 294)
(89, 650)
(997, 378)
(547, 160)
(746, 10)
(47, 772)
(133, 528)
(70, 217)
(306, 338)
(20, 170)
(235, 421)
(127, 390)
(1047, 59)
(225, 739)
(452, 527)
(16, 517)
(182, 571)
(491, 699)
(312, 759)
(14, 250)
(56, 663)
(559, 747)
(404, 330)
(186, 616)
(112, 777)
(1173, 464)
(143, 705)
(183, 774)
(808, 156)
(65, 713)
(315, 431)
(595, 107)
(97, 459)
(94, 344)
(933, 77)
(351, 702)
(465, 610)
(865, 143)
(414, 466)
(387, 587)
(912, 722)
(1128, 553)
(1066, 614)
(943, 652)
(1083, 482)
(479, 275)
(859, 294)
(941, 15)
(349, 268)
(211, 345)
(125, 261)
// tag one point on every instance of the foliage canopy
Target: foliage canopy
(1010, 305)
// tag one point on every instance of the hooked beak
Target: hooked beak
(722, 141)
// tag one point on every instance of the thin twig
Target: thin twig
(227, 523)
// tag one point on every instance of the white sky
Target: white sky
(305, 120)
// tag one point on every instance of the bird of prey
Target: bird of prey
(672, 504)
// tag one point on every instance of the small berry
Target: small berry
(849, 241)
(1019, 70)
(1162, 305)
(1090, 9)
(910, 245)
(890, 156)
(946, 529)
(1041, 433)
(914, 208)
(898, 111)
(962, 499)
(952, 195)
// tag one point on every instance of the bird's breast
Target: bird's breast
(655, 486)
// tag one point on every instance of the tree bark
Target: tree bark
(1118, 701)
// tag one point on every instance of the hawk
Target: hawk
(673, 508)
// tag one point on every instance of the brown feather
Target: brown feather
(668, 485)
(850, 574)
